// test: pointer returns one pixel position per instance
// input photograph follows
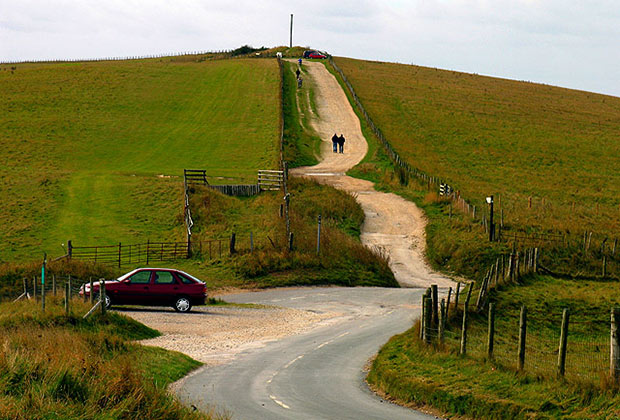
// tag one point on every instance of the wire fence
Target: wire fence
(590, 355)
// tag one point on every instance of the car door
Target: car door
(134, 290)
(164, 287)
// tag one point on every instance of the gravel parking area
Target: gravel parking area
(214, 334)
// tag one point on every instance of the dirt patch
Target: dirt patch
(215, 334)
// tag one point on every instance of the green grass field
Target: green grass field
(94, 152)
(512, 139)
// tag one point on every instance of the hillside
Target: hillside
(95, 151)
(513, 139)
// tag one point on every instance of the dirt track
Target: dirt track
(392, 223)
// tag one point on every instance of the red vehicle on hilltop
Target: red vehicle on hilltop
(153, 287)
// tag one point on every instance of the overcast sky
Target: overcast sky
(571, 43)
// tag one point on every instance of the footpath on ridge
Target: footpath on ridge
(392, 223)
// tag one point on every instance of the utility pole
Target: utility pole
(291, 38)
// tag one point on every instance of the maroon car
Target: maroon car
(153, 287)
(316, 55)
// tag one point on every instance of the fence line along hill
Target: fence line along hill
(549, 154)
(95, 151)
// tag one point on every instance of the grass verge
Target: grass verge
(476, 386)
(58, 366)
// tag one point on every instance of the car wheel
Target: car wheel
(182, 304)
(108, 302)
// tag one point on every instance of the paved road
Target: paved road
(316, 375)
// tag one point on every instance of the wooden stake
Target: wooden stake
(464, 332)
(563, 341)
(456, 297)
(67, 300)
(427, 319)
(442, 321)
(435, 314)
(522, 336)
(491, 333)
(614, 356)
(448, 302)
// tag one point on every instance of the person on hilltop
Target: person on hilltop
(341, 143)
(335, 142)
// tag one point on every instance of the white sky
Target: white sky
(571, 43)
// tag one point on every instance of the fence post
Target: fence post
(522, 335)
(318, 237)
(233, 240)
(67, 300)
(563, 341)
(43, 295)
(614, 356)
(422, 317)
(491, 335)
(92, 292)
(102, 295)
(251, 242)
(290, 241)
(535, 260)
(604, 265)
(70, 291)
(34, 289)
(26, 288)
(54, 284)
(69, 249)
(456, 297)
(464, 331)
(448, 302)
(442, 320)
(427, 319)
(434, 298)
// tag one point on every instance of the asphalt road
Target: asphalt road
(316, 375)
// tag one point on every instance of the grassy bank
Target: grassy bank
(62, 366)
(94, 151)
(343, 260)
(479, 387)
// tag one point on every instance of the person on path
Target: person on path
(341, 143)
(297, 72)
(300, 62)
(335, 142)
(299, 82)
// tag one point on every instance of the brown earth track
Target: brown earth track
(393, 224)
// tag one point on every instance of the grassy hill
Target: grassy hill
(94, 151)
(493, 136)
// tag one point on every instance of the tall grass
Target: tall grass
(61, 366)
(343, 260)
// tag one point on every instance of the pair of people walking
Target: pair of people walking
(338, 143)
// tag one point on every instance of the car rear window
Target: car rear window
(141, 277)
(164, 277)
(185, 279)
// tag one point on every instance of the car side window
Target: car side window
(164, 277)
(185, 279)
(141, 277)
